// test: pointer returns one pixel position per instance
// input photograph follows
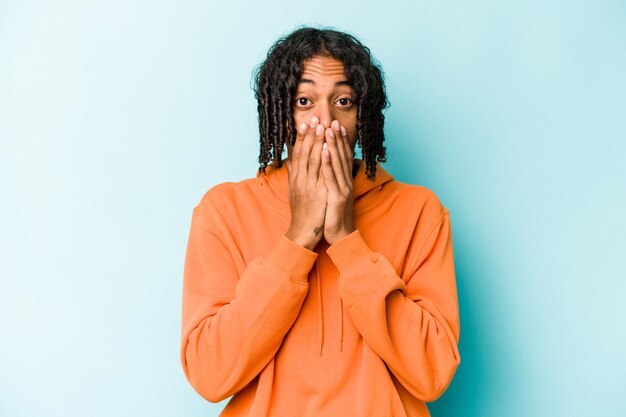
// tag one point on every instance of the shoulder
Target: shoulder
(223, 195)
(418, 199)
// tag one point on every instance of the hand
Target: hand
(337, 162)
(307, 191)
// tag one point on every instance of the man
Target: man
(323, 247)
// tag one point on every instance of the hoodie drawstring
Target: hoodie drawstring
(340, 325)
(320, 314)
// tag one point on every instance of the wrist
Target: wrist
(335, 237)
(306, 243)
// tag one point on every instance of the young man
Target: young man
(321, 287)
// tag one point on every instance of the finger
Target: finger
(320, 172)
(341, 150)
(305, 150)
(315, 159)
(349, 151)
(300, 133)
(329, 175)
(335, 158)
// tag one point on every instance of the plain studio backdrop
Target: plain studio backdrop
(117, 116)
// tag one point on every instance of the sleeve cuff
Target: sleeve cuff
(361, 270)
(293, 259)
(351, 250)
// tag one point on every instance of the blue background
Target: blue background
(117, 116)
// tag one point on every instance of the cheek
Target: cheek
(350, 124)
(300, 116)
(298, 119)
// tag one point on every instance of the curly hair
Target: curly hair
(276, 82)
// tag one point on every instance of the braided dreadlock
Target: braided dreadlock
(276, 81)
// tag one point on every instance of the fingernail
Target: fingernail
(302, 128)
(314, 121)
(325, 146)
(319, 129)
(330, 133)
(343, 131)
(335, 124)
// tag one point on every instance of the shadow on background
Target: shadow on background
(466, 394)
(412, 158)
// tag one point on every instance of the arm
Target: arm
(412, 326)
(233, 325)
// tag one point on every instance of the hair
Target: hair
(276, 82)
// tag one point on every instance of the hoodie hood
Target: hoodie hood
(276, 180)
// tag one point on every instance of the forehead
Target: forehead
(322, 68)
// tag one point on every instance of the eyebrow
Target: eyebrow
(338, 83)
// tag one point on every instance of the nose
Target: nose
(325, 114)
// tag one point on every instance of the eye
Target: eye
(345, 101)
(302, 101)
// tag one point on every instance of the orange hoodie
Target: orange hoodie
(368, 326)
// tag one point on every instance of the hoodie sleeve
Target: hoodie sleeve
(413, 326)
(233, 322)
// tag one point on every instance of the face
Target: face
(323, 91)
